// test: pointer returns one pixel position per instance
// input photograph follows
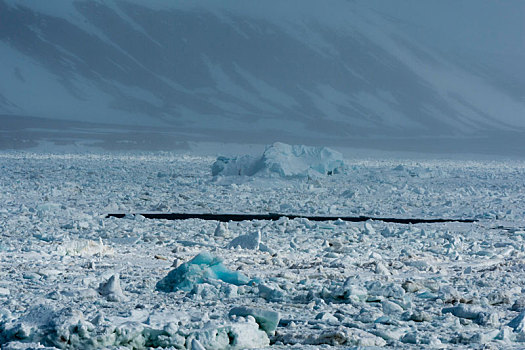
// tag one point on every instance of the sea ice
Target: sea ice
(320, 276)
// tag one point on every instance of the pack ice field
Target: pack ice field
(70, 277)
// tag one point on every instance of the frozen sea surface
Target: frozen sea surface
(71, 278)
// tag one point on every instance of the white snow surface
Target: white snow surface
(72, 278)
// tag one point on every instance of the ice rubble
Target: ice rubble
(203, 268)
(283, 160)
(334, 283)
(70, 329)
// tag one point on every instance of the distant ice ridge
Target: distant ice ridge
(282, 160)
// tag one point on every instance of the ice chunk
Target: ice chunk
(463, 311)
(448, 294)
(203, 268)
(473, 312)
(111, 289)
(267, 320)
(68, 328)
(484, 337)
(351, 290)
(221, 230)
(84, 248)
(518, 323)
(48, 209)
(158, 319)
(196, 345)
(229, 291)
(264, 248)
(239, 335)
(411, 286)
(381, 269)
(16, 345)
(368, 228)
(327, 318)
(283, 160)
(271, 292)
(391, 307)
(391, 290)
(250, 241)
(347, 336)
(204, 291)
(411, 338)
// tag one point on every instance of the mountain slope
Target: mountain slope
(297, 71)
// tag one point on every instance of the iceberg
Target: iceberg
(282, 160)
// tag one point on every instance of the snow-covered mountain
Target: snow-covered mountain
(404, 74)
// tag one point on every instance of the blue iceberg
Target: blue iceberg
(203, 268)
